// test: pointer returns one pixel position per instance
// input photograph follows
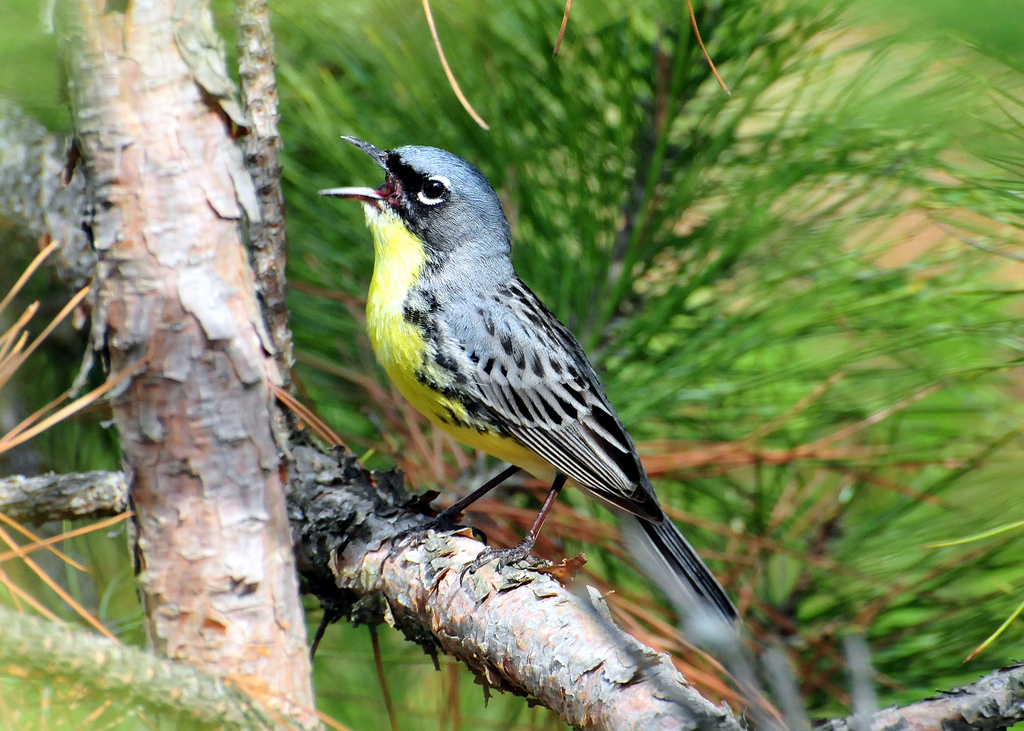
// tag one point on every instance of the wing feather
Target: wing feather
(531, 377)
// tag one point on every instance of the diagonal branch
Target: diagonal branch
(365, 551)
(448, 69)
(994, 702)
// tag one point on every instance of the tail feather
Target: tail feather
(669, 560)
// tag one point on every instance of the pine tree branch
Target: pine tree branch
(31, 196)
(135, 677)
(994, 702)
(63, 497)
(363, 549)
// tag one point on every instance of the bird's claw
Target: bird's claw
(505, 557)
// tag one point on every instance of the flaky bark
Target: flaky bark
(994, 702)
(362, 549)
(174, 287)
(262, 148)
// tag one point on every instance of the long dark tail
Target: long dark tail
(669, 560)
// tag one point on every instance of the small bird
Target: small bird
(477, 353)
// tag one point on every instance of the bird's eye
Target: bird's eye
(433, 190)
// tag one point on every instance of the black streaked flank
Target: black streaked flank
(420, 319)
(450, 365)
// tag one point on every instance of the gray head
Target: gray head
(442, 198)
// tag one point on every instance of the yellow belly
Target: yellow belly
(403, 352)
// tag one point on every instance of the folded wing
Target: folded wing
(529, 373)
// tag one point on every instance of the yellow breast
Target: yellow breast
(400, 347)
(399, 258)
(398, 263)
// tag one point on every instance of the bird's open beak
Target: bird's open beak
(378, 155)
(365, 195)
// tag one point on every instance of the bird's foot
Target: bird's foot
(503, 556)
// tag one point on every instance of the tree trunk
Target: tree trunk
(175, 289)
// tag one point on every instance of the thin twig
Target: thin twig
(315, 423)
(13, 341)
(378, 662)
(37, 543)
(33, 418)
(978, 244)
(33, 265)
(696, 30)
(330, 722)
(94, 716)
(16, 436)
(995, 635)
(68, 496)
(561, 31)
(15, 362)
(18, 593)
(448, 70)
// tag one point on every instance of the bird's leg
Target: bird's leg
(446, 519)
(521, 550)
(531, 537)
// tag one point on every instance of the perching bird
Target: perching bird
(475, 351)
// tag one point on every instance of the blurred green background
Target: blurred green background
(790, 293)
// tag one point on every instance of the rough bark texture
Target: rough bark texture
(363, 550)
(30, 646)
(262, 148)
(994, 702)
(63, 497)
(218, 574)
